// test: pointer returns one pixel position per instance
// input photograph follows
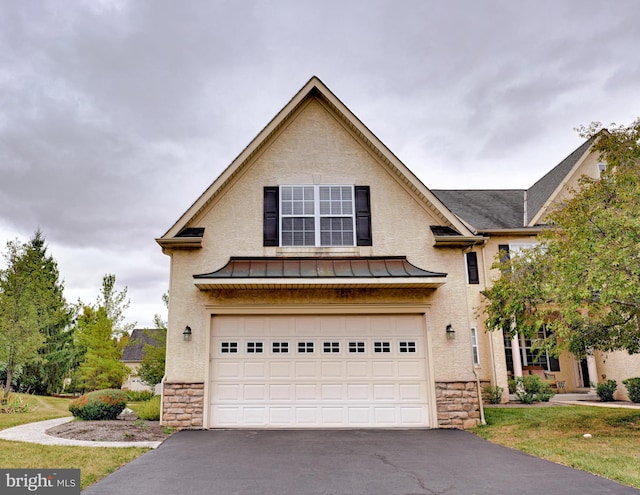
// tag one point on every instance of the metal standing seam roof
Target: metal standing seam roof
(305, 267)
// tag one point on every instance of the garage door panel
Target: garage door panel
(280, 392)
(306, 369)
(331, 369)
(280, 369)
(306, 392)
(331, 392)
(358, 369)
(319, 371)
(254, 369)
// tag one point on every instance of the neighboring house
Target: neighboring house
(318, 283)
(132, 356)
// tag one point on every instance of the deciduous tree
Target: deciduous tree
(583, 281)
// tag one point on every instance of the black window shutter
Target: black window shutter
(271, 216)
(363, 216)
(472, 268)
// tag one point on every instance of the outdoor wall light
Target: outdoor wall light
(186, 335)
(451, 333)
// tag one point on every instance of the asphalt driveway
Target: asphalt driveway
(389, 462)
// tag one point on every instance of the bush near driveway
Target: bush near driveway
(556, 434)
(94, 463)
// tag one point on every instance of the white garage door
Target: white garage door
(319, 371)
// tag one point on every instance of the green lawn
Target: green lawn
(556, 434)
(94, 463)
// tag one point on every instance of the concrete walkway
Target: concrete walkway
(36, 433)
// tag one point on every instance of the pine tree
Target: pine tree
(33, 311)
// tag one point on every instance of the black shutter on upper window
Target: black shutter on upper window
(363, 216)
(271, 216)
(472, 268)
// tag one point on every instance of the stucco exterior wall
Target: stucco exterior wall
(315, 148)
(618, 366)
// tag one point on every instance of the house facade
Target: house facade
(133, 354)
(317, 283)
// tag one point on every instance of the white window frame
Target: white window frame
(318, 216)
(601, 168)
(475, 349)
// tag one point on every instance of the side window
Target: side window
(474, 346)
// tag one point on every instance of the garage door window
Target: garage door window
(305, 347)
(407, 347)
(280, 347)
(381, 347)
(254, 347)
(356, 347)
(228, 347)
(331, 347)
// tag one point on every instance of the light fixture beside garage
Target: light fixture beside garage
(451, 333)
(186, 335)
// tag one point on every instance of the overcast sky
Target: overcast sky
(116, 115)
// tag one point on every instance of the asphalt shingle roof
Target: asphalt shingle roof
(486, 209)
(497, 209)
(139, 337)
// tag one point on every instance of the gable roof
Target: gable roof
(486, 210)
(549, 185)
(314, 88)
(134, 352)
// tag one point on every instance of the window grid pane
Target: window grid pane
(329, 223)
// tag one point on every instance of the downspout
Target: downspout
(480, 403)
(473, 365)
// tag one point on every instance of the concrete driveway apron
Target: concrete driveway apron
(367, 462)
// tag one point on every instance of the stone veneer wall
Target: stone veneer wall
(182, 405)
(458, 405)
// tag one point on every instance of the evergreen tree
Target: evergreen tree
(101, 366)
(33, 312)
(101, 335)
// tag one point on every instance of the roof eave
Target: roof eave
(180, 242)
(514, 231)
(458, 241)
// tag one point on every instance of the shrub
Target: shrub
(493, 393)
(531, 388)
(139, 395)
(545, 393)
(512, 385)
(149, 410)
(633, 388)
(99, 405)
(14, 404)
(606, 389)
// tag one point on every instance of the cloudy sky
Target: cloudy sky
(116, 115)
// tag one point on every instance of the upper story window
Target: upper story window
(317, 215)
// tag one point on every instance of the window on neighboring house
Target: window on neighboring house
(317, 215)
(474, 346)
(473, 276)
